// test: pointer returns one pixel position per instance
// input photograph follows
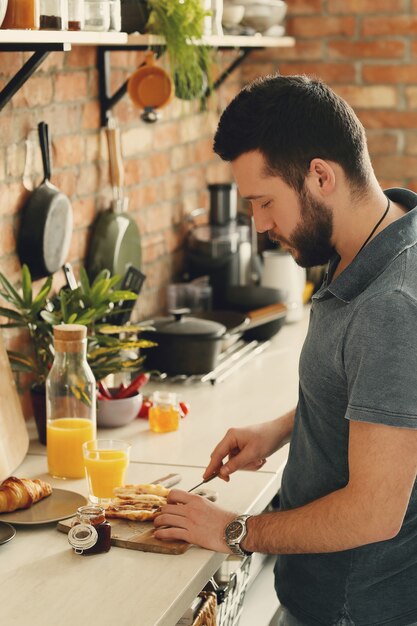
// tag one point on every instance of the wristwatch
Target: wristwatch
(234, 534)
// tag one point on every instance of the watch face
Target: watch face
(234, 530)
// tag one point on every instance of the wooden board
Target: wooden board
(135, 536)
(14, 439)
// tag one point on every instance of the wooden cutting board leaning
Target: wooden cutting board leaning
(14, 439)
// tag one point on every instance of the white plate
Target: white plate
(59, 505)
(7, 532)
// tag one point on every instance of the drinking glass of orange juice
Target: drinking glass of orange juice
(105, 462)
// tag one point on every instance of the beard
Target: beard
(310, 243)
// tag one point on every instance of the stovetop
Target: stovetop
(229, 361)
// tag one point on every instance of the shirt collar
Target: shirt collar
(377, 254)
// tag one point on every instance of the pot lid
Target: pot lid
(179, 323)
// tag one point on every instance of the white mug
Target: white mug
(280, 271)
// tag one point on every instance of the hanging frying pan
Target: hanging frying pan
(46, 223)
(115, 243)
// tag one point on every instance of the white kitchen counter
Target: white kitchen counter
(42, 580)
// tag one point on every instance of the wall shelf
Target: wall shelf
(243, 44)
(43, 42)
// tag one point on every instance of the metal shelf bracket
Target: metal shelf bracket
(41, 52)
(107, 101)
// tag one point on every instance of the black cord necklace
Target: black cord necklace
(376, 226)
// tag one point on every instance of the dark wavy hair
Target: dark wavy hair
(292, 120)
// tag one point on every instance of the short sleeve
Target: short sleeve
(380, 360)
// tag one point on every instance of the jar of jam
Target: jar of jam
(164, 414)
(90, 532)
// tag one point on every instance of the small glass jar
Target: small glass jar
(97, 15)
(90, 532)
(164, 414)
(53, 15)
(115, 16)
(22, 14)
(76, 15)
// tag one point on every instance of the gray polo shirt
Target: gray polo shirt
(359, 362)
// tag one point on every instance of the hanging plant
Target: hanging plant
(181, 22)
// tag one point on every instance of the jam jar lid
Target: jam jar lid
(82, 536)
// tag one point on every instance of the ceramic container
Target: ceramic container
(114, 413)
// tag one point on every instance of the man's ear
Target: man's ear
(321, 178)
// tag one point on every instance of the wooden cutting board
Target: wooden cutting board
(139, 535)
(14, 439)
(135, 536)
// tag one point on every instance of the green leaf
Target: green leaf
(40, 300)
(12, 314)
(26, 286)
(11, 294)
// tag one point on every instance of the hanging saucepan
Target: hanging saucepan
(186, 345)
(150, 88)
(46, 223)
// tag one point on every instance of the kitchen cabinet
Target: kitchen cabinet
(43, 42)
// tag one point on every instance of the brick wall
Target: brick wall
(365, 49)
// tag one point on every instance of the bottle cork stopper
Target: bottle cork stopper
(70, 332)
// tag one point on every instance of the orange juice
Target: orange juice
(105, 470)
(65, 437)
(163, 418)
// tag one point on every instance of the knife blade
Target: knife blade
(203, 482)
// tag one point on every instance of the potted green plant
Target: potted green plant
(110, 348)
(182, 23)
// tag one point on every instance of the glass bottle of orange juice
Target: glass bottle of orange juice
(164, 414)
(70, 402)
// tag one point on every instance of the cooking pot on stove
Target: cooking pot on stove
(186, 345)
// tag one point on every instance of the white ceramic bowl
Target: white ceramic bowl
(114, 413)
(3, 8)
(232, 15)
(262, 15)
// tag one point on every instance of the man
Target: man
(346, 532)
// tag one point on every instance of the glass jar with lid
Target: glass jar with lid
(90, 532)
(97, 15)
(22, 14)
(53, 15)
(76, 15)
(164, 414)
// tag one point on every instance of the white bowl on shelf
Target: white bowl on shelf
(232, 15)
(263, 14)
(3, 9)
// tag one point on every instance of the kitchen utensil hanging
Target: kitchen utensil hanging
(115, 244)
(150, 88)
(46, 222)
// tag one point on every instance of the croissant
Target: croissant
(21, 493)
